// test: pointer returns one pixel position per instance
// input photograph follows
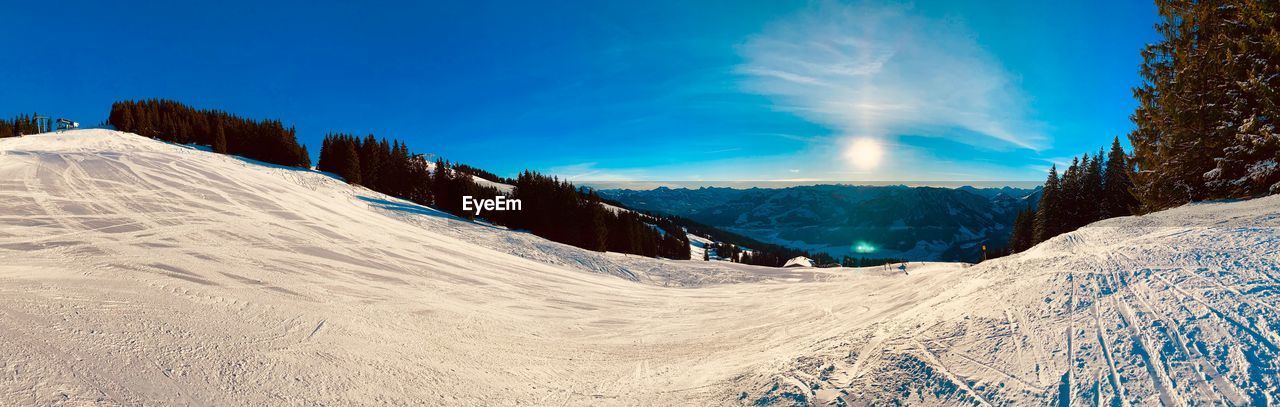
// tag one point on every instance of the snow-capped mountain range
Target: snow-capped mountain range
(915, 223)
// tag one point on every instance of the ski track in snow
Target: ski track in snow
(138, 272)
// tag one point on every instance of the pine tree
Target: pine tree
(348, 163)
(1071, 196)
(370, 162)
(1207, 110)
(266, 140)
(1091, 184)
(220, 141)
(1117, 199)
(1048, 215)
(326, 150)
(440, 185)
(1023, 236)
(385, 166)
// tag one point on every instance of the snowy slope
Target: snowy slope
(135, 271)
(1180, 307)
(504, 188)
(698, 246)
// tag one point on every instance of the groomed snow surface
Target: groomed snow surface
(138, 272)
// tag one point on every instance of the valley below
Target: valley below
(888, 221)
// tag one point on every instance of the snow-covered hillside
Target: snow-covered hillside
(133, 271)
(504, 188)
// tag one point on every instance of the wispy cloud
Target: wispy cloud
(877, 71)
(590, 171)
(724, 150)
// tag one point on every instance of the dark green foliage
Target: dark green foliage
(822, 259)
(22, 125)
(868, 261)
(1049, 215)
(729, 251)
(551, 208)
(1088, 191)
(675, 241)
(220, 141)
(482, 174)
(1117, 184)
(265, 140)
(448, 186)
(395, 171)
(1207, 110)
(371, 155)
(349, 164)
(1023, 231)
(1072, 193)
(559, 211)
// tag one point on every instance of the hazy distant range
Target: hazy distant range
(930, 221)
(643, 185)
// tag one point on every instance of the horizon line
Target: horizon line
(778, 184)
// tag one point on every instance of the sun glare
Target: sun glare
(864, 153)
(864, 248)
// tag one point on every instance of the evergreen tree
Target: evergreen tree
(551, 208)
(126, 120)
(166, 120)
(389, 168)
(448, 189)
(1207, 110)
(1117, 199)
(417, 181)
(348, 162)
(1091, 190)
(1048, 215)
(1087, 191)
(1023, 236)
(326, 151)
(1071, 196)
(595, 233)
(370, 162)
(220, 141)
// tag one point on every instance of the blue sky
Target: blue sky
(605, 91)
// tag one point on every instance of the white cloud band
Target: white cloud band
(880, 71)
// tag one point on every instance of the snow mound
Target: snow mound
(138, 272)
(799, 261)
